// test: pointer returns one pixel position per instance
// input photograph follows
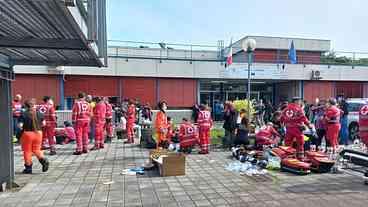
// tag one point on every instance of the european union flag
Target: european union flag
(292, 53)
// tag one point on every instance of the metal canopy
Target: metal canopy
(43, 32)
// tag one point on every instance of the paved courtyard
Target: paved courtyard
(84, 181)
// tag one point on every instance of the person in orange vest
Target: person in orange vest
(81, 118)
(294, 119)
(161, 124)
(17, 112)
(99, 118)
(131, 115)
(108, 122)
(204, 123)
(363, 124)
(48, 110)
(31, 137)
(332, 119)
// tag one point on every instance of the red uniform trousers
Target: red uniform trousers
(108, 127)
(294, 134)
(204, 138)
(31, 144)
(130, 131)
(332, 134)
(48, 135)
(82, 130)
(99, 134)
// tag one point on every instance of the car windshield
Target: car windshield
(354, 106)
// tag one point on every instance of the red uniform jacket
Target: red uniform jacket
(108, 111)
(268, 132)
(363, 119)
(293, 116)
(48, 112)
(99, 112)
(17, 108)
(131, 114)
(332, 115)
(188, 135)
(81, 111)
(204, 119)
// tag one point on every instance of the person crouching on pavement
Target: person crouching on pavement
(69, 132)
(188, 136)
(31, 137)
(242, 132)
(99, 117)
(205, 124)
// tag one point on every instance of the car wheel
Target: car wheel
(354, 131)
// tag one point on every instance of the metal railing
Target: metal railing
(150, 50)
(197, 52)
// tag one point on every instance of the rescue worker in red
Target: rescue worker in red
(48, 130)
(17, 112)
(267, 135)
(161, 124)
(363, 124)
(204, 123)
(31, 137)
(99, 118)
(294, 119)
(81, 118)
(108, 122)
(188, 136)
(131, 114)
(332, 119)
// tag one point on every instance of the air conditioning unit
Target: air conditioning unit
(316, 75)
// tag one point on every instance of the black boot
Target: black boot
(45, 164)
(27, 169)
(108, 140)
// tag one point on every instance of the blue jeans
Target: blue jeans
(344, 132)
(16, 129)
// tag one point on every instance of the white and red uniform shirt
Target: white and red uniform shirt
(293, 116)
(108, 111)
(48, 112)
(99, 112)
(81, 111)
(363, 119)
(204, 119)
(332, 115)
(188, 134)
(131, 114)
(17, 108)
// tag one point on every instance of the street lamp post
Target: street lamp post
(249, 45)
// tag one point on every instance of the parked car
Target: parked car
(354, 105)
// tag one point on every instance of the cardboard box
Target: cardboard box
(170, 164)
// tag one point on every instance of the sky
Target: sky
(344, 22)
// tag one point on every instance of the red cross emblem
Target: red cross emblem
(84, 107)
(364, 110)
(289, 113)
(43, 109)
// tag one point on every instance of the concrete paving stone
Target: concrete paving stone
(218, 201)
(181, 198)
(197, 197)
(202, 203)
